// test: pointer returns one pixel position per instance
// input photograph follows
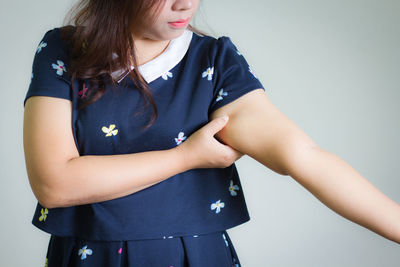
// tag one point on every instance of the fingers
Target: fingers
(236, 154)
(217, 124)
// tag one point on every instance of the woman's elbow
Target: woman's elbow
(47, 194)
(284, 158)
(301, 158)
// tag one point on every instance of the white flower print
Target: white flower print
(166, 75)
(252, 72)
(224, 237)
(208, 73)
(84, 251)
(40, 46)
(217, 206)
(44, 213)
(221, 93)
(232, 188)
(59, 67)
(181, 138)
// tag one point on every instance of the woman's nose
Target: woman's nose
(182, 4)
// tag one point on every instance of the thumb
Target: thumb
(217, 124)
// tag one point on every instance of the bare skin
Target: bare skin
(283, 147)
(59, 177)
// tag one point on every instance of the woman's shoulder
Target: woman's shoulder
(57, 36)
(207, 38)
(60, 34)
(59, 41)
(214, 46)
(212, 43)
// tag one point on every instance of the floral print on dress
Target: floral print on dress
(166, 75)
(224, 237)
(44, 213)
(60, 67)
(82, 93)
(110, 130)
(85, 251)
(232, 188)
(208, 73)
(181, 138)
(40, 46)
(217, 206)
(84, 47)
(252, 72)
(120, 251)
(221, 94)
(46, 263)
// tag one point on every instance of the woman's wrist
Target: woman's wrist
(183, 156)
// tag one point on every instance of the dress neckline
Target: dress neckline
(164, 62)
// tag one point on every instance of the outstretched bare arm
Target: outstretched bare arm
(280, 145)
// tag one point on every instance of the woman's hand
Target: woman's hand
(202, 150)
(279, 144)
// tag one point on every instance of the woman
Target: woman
(101, 179)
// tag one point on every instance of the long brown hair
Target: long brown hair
(94, 30)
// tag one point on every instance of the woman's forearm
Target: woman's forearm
(345, 191)
(96, 178)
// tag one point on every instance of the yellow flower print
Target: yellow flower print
(84, 47)
(110, 130)
(44, 213)
(45, 264)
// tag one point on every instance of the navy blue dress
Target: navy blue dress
(181, 221)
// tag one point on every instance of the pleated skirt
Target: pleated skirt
(207, 250)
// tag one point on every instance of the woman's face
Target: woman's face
(168, 25)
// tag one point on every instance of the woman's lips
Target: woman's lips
(179, 23)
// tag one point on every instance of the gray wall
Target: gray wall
(330, 66)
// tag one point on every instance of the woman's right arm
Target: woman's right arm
(59, 177)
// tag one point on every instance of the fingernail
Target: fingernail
(225, 118)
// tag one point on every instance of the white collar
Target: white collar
(158, 66)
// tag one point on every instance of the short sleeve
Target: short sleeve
(50, 68)
(233, 75)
